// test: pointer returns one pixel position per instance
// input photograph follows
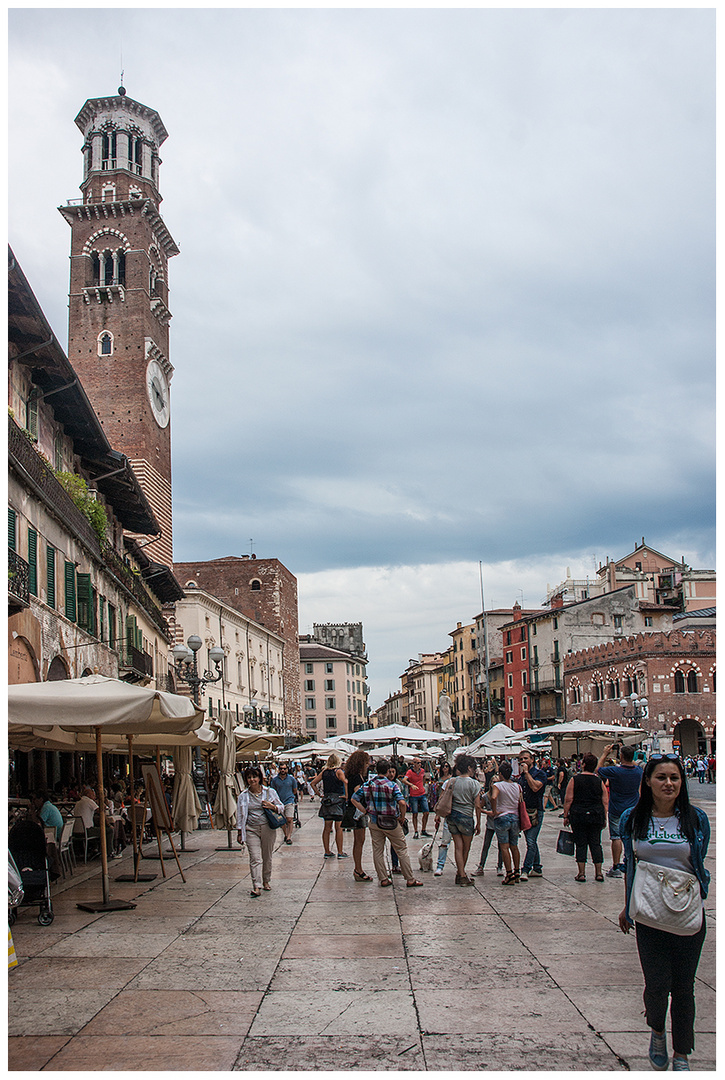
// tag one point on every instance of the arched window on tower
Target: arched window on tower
(95, 268)
(692, 687)
(107, 268)
(679, 682)
(256, 585)
(138, 156)
(122, 268)
(105, 343)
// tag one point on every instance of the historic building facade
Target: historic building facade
(264, 591)
(334, 689)
(118, 328)
(675, 671)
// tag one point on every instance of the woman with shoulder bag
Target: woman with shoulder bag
(665, 842)
(356, 771)
(334, 798)
(254, 829)
(585, 809)
(505, 796)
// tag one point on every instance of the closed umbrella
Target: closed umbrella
(225, 804)
(185, 801)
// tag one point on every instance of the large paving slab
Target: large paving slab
(324, 973)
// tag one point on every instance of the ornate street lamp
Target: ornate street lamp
(634, 710)
(187, 670)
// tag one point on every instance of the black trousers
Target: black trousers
(669, 963)
(586, 835)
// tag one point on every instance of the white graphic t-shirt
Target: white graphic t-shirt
(666, 845)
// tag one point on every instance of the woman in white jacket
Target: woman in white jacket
(253, 829)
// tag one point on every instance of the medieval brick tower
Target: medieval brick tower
(118, 332)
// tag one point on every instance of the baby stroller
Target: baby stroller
(26, 842)
(296, 818)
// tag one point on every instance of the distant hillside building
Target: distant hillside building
(266, 592)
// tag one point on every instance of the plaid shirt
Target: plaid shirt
(380, 796)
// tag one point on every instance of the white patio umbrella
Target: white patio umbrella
(574, 732)
(339, 744)
(322, 749)
(494, 735)
(101, 706)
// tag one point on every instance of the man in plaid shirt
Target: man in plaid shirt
(382, 796)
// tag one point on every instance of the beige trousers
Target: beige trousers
(260, 845)
(396, 837)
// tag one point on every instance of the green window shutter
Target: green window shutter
(112, 626)
(32, 561)
(70, 591)
(130, 632)
(101, 618)
(94, 613)
(84, 602)
(12, 529)
(31, 414)
(50, 576)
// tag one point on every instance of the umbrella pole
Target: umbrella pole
(106, 904)
(136, 860)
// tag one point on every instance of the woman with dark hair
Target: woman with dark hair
(505, 796)
(585, 808)
(333, 783)
(253, 828)
(356, 772)
(665, 829)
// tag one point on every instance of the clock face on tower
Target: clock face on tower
(157, 388)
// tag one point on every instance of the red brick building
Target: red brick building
(264, 590)
(675, 671)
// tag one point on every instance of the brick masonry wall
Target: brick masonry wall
(657, 656)
(273, 605)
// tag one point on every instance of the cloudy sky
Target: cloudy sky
(445, 291)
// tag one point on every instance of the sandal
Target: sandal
(255, 893)
(385, 883)
(414, 884)
(360, 875)
(267, 887)
(599, 877)
(509, 880)
(580, 877)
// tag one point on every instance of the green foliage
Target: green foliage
(77, 488)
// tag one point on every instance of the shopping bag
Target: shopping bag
(565, 842)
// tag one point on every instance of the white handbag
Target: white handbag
(666, 899)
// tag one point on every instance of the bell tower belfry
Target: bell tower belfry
(118, 321)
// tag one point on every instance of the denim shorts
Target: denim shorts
(614, 833)
(418, 804)
(460, 824)
(507, 828)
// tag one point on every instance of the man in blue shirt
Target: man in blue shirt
(624, 781)
(286, 787)
(532, 781)
(46, 813)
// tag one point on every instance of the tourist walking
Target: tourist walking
(488, 836)
(286, 787)
(334, 797)
(664, 829)
(505, 798)
(585, 809)
(701, 767)
(623, 781)
(356, 771)
(254, 830)
(466, 803)
(533, 783)
(384, 801)
(414, 780)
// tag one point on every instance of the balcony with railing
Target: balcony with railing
(18, 583)
(134, 664)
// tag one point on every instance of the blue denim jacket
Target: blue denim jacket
(698, 852)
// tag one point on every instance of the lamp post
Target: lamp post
(187, 670)
(634, 710)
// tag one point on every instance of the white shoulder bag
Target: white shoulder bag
(666, 899)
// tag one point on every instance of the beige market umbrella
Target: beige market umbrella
(185, 801)
(225, 804)
(100, 706)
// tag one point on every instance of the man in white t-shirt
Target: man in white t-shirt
(86, 807)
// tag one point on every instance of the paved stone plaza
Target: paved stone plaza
(328, 974)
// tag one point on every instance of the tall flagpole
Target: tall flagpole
(485, 648)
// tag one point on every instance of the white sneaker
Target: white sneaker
(437, 873)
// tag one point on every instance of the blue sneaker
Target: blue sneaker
(680, 1063)
(658, 1051)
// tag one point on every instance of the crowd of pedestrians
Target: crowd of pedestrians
(645, 804)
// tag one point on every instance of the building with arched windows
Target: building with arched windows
(675, 671)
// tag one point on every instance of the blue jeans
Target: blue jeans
(532, 859)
